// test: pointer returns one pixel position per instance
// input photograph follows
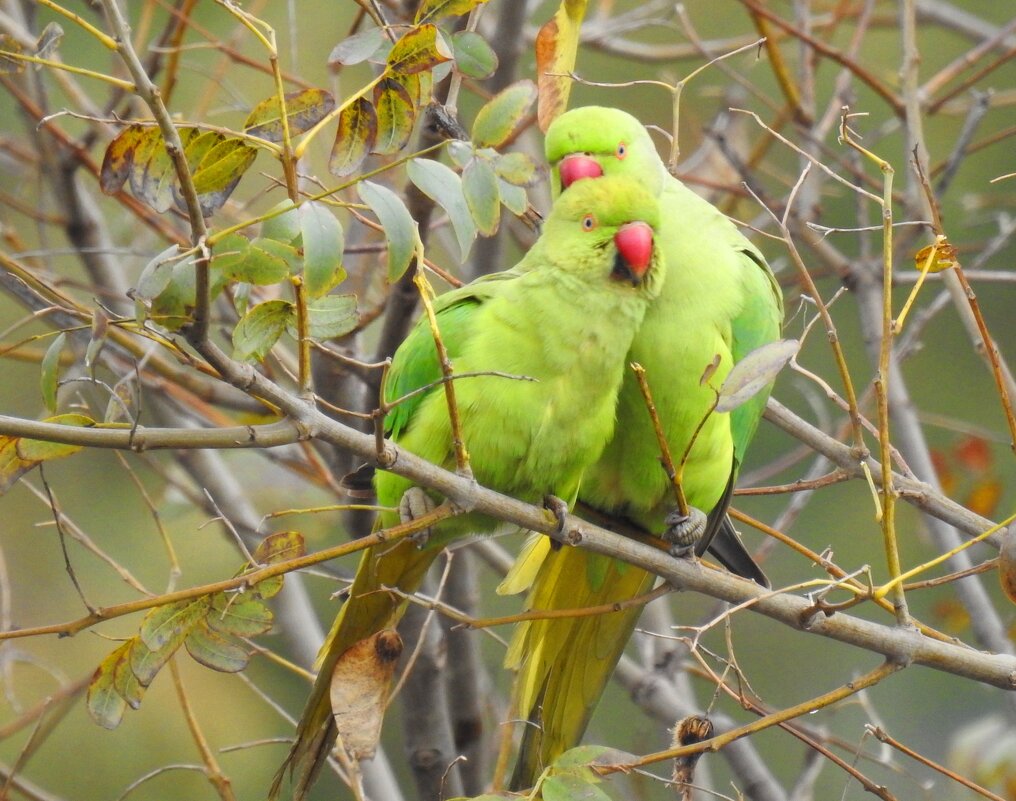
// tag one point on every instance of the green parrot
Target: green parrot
(719, 302)
(564, 318)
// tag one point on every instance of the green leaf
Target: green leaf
(146, 663)
(399, 225)
(396, 116)
(571, 787)
(474, 58)
(285, 225)
(442, 185)
(167, 624)
(584, 755)
(304, 109)
(269, 262)
(105, 706)
(125, 682)
(157, 274)
(497, 120)
(323, 242)
(51, 369)
(172, 307)
(357, 48)
(221, 652)
(331, 316)
(260, 329)
(262, 261)
(479, 184)
(515, 168)
(37, 450)
(754, 372)
(514, 197)
(242, 617)
(354, 138)
(461, 152)
(419, 49)
(433, 10)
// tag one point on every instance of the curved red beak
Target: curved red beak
(577, 166)
(634, 243)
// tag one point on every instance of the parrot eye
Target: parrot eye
(622, 151)
(588, 222)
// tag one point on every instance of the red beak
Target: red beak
(577, 166)
(634, 243)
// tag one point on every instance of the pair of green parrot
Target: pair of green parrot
(630, 266)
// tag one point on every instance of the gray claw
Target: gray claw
(558, 508)
(416, 503)
(684, 531)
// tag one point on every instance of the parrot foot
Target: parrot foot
(416, 503)
(558, 508)
(684, 531)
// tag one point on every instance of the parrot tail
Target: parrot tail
(369, 608)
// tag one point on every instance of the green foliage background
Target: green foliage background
(950, 387)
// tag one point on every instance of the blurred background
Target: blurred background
(126, 513)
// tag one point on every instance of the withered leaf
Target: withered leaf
(359, 690)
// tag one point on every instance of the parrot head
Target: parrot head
(612, 222)
(594, 141)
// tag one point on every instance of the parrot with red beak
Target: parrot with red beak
(545, 346)
(719, 302)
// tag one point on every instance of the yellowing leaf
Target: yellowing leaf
(304, 109)
(1007, 564)
(354, 138)
(515, 168)
(119, 157)
(497, 120)
(125, 682)
(360, 684)
(222, 166)
(105, 706)
(18, 455)
(279, 547)
(8, 65)
(944, 257)
(420, 49)
(152, 174)
(557, 46)
(396, 116)
(433, 10)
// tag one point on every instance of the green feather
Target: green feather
(560, 319)
(719, 299)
